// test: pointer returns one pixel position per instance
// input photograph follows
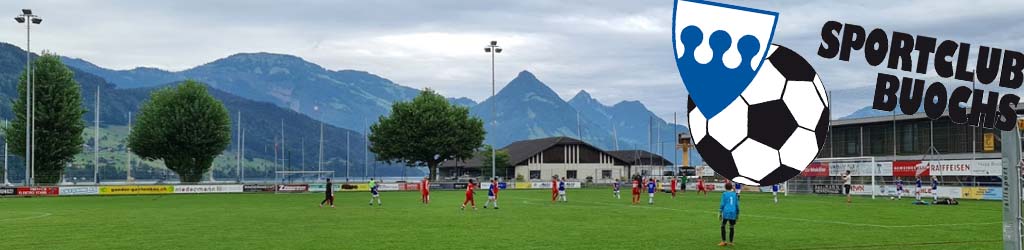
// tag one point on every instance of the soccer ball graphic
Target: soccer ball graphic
(773, 130)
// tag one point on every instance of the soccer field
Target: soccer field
(592, 219)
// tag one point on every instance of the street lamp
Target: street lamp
(26, 15)
(493, 49)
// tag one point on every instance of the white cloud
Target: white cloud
(617, 50)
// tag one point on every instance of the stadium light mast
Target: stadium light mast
(28, 19)
(96, 140)
(492, 48)
(238, 153)
(128, 151)
(320, 155)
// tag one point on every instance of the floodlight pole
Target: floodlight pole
(28, 19)
(492, 48)
(128, 151)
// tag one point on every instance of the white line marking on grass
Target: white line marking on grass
(41, 215)
(800, 219)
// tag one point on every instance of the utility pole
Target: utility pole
(129, 150)
(238, 152)
(96, 139)
(348, 161)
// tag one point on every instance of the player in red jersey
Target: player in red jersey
(470, 189)
(701, 188)
(554, 188)
(425, 190)
(673, 188)
(636, 191)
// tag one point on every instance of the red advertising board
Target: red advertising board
(816, 169)
(909, 169)
(38, 191)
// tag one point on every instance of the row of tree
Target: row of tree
(183, 126)
(186, 127)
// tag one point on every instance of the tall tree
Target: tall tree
(58, 118)
(500, 162)
(425, 132)
(185, 127)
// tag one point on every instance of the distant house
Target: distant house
(540, 159)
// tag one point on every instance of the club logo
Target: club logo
(758, 112)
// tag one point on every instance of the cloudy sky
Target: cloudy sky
(616, 50)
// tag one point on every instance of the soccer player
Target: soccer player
(775, 193)
(328, 194)
(470, 190)
(554, 188)
(673, 188)
(375, 195)
(847, 179)
(899, 188)
(492, 194)
(729, 212)
(425, 190)
(615, 189)
(935, 189)
(561, 190)
(682, 184)
(739, 188)
(636, 190)
(917, 189)
(701, 187)
(651, 186)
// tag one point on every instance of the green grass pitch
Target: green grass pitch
(592, 219)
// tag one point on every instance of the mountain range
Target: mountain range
(526, 107)
(262, 121)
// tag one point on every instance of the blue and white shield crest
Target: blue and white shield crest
(719, 49)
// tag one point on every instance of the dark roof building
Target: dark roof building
(540, 159)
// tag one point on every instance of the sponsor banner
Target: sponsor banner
(129, 190)
(704, 171)
(545, 184)
(322, 187)
(79, 191)
(979, 193)
(501, 185)
(258, 188)
(207, 189)
(292, 188)
(38, 191)
(8, 191)
(986, 167)
(827, 189)
(387, 187)
(410, 186)
(859, 168)
(816, 169)
(523, 185)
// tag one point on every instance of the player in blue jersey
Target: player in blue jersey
(561, 190)
(917, 189)
(739, 188)
(899, 188)
(775, 193)
(492, 194)
(935, 189)
(729, 212)
(615, 189)
(375, 194)
(651, 186)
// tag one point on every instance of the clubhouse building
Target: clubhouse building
(540, 159)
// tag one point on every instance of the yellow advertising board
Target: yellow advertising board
(990, 142)
(975, 193)
(130, 190)
(523, 185)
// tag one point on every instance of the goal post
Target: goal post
(833, 167)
